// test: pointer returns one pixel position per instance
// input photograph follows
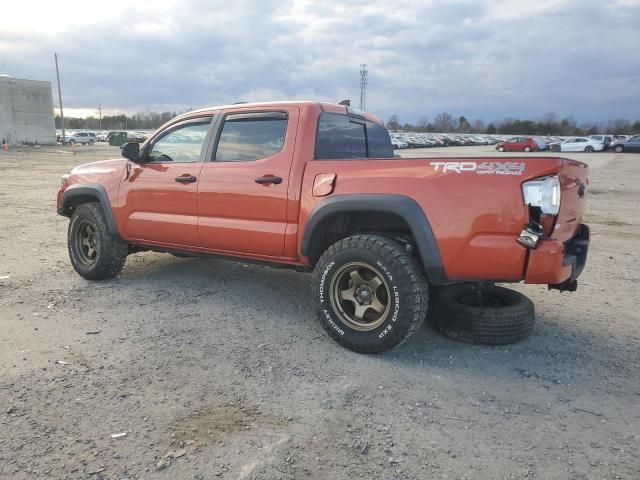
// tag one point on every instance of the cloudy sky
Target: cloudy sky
(487, 59)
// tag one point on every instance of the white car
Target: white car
(582, 144)
(82, 137)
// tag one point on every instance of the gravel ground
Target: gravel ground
(198, 368)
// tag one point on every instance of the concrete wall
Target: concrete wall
(26, 111)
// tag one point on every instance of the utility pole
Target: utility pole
(364, 73)
(100, 116)
(64, 139)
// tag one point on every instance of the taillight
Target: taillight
(543, 193)
(542, 196)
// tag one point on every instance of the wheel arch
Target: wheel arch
(396, 208)
(80, 193)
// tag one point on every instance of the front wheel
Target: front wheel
(95, 253)
(619, 148)
(589, 149)
(91, 142)
(501, 148)
(370, 294)
(527, 149)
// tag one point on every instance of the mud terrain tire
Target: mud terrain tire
(95, 253)
(370, 294)
(503, 316)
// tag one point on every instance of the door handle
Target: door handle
(186, 179)
(269, 179)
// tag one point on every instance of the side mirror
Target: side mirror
(131, 150)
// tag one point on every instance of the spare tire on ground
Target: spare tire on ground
(484, 314)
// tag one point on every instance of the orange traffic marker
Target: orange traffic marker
(73, 148)
(5, 145)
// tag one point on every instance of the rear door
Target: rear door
(158, 197)
(242, 193)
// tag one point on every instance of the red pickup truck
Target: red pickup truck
(316, 186)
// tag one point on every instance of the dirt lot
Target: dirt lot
(216, 369)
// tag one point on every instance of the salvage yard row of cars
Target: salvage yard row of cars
(522, 143)
(87, 137)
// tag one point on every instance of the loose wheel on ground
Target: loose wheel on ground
(370, 294)
(488, 314)
(95, 253)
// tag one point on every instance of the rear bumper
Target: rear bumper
(559, 264)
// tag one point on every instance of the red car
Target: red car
(518, 144)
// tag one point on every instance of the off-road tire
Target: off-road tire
(402, 276)
(111, 252)
(511, 321)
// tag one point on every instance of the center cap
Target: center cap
(364, 294)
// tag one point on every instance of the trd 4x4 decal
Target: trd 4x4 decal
(481, 168)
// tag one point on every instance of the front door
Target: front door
(159, 197)
(242, 193)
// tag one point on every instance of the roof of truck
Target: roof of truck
(324, 106)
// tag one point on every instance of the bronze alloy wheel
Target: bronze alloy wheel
(87, 244)
(360, 296)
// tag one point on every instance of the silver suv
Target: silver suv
(82, 137)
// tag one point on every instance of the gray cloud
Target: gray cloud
(483, 59)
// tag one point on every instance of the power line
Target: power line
(364, 73)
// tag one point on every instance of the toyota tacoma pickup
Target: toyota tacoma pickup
(316, 186)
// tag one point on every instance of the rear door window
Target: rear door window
(251, 136)
(343, 137)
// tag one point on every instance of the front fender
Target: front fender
(79, 193)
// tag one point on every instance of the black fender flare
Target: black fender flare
(400, 205)
(89, 190)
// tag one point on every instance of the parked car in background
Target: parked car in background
(579, 144)
(630, 145)
(617, 139)
(518, 144)
(542, 145)
(102, 136)
(606, 139)
(399, 144)
(83, 138)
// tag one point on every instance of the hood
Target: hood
(98, 172)
(101, 167)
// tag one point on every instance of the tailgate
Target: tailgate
(574, 183)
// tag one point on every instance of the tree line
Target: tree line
(140, 121)
(549, 124)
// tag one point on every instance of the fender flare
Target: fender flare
(400, 205)
(87, 190)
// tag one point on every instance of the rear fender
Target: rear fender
(402, 206)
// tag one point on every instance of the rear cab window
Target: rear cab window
(343, 137)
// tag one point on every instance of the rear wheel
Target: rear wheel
(370, 294)
(588, 149)
(527, 149)
(501, 148)
(484, 314)
(619, 148)
(95, 253)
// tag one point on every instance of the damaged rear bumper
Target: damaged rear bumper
(559, 264)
